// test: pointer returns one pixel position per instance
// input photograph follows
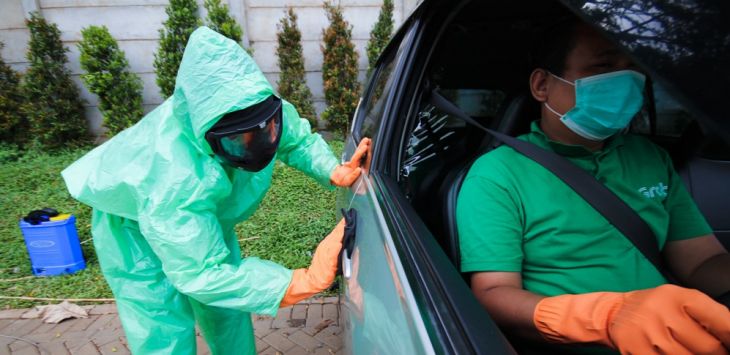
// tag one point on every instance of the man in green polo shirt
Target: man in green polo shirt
(545, 264)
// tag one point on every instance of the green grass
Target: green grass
(295, 215)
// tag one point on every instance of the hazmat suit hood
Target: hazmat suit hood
(216, 77)
(160, 176)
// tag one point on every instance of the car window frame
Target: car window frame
(400, 38)
(456, 317)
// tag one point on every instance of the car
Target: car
(403, 292)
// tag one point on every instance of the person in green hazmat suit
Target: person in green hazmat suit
(167, 192)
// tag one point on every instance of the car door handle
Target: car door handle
(348, 242)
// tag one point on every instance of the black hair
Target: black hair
(551, 47)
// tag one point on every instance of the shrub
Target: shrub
(107, 76)
(13, 126)
(381, 33)
(221, 21)
(339, 70)
(292, 84)
(182, 20)
(52, 103)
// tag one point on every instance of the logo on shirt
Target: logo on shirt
(658, 190)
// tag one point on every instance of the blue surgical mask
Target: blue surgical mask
(604, 103)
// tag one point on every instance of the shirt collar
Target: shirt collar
(537, 136)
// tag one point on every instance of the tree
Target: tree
(52, 102)
(339, 70)
(292, 84)
(221, 21)
(13, 125)
(107, 76)
(182, 20)
(381, 33)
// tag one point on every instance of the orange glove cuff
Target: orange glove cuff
(577, 318)
(298, 289)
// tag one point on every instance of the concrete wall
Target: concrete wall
(135, 25)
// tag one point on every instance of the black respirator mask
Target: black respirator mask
(248, 138)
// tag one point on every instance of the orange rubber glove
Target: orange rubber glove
(345, 174)
(320, 274)
(667, 319)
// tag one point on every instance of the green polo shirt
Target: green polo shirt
(514, 215)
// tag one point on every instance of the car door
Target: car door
(401, 293)
(380, 314)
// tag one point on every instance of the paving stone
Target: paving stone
(12, 313)
(297, 350)
(324, 351)
(44, 328)
(5, 345)
(299, 311)
(115, 323)
(28, 350)
(331, 337)
(311, 330)
(78, 339)
(261, 345)
(64, 326)
(279, 339)
(282, 318)
(55, 348)
(21, 327)
(335, 300)
(314, 315)
(336, 329)
(88, 349)
(107, 336)
(20, 345)
(262, 332)
(261, 318)
(41, 337)
(101, 323)
(5, 322)
(262, 326)
(330, 311)
(271, 351)
(102, 332)
(104, 309)
(306, 341)
(115, 348)
(82, 323)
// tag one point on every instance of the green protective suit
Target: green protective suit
(165, 208)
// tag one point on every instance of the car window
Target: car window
(437, 135)
(373, 105)
(671, 118)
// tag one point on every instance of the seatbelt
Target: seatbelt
(603, 200)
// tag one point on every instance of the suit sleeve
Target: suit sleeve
(304, 150)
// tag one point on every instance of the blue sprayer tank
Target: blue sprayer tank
(53, 247)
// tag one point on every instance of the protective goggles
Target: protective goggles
(248, 138)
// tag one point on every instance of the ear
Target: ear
(539, 84)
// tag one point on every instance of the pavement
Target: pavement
(309, 327)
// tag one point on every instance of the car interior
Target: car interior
(480, 61)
